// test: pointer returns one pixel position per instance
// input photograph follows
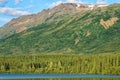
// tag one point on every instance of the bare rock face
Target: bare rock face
(21, 29)
(107, 24)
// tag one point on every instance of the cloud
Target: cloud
(3, 2)
(55, 4)
(71, 1)
(13, 11)
(18, 1)
(4, 19)
(101, 2)
(74, 1)
(31, 1)
(29, 7)
(80, 1)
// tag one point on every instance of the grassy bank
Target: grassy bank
(61, 63)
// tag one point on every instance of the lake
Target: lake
(58, 77)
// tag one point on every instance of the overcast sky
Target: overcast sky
(10, 9)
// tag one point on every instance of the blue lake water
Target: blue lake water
(59, 77)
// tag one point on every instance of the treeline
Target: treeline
(61, 63)
(77, 79)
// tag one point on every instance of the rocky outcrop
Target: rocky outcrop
(109, 23)
(21, 29)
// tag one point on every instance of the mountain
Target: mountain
(55, 14)
(24, 22)
(66, 28)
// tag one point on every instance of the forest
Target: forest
(75, 79)
(61, 64)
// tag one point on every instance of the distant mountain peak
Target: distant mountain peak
(80, 6)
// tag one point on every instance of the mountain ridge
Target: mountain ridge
(28, 21)
(78, 32)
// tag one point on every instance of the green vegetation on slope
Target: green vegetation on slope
(80, 32)
(71, 63)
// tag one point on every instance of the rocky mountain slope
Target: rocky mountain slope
(64, 29)
(55, 14)
(24, 22)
